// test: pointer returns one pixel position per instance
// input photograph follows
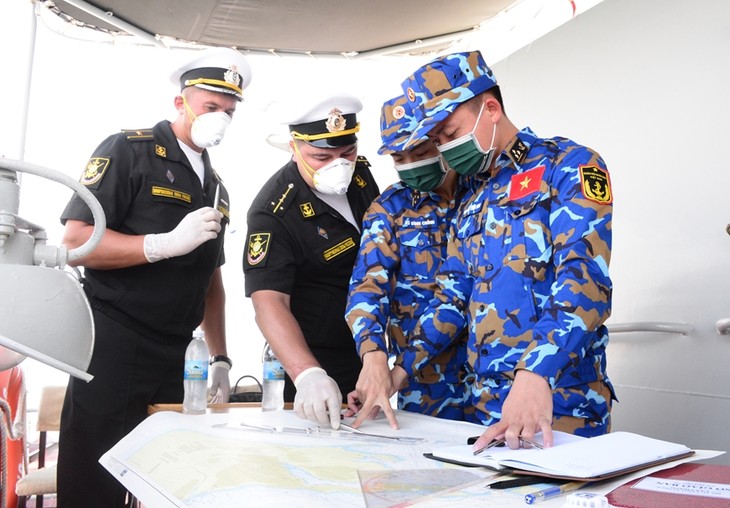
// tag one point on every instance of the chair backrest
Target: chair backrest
(49, 408)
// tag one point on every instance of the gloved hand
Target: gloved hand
(220, 385)
(195, 228)
(317, 393)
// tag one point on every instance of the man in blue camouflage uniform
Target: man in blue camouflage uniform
(403, 243)
(527, 269)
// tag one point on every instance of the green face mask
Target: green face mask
(424, 175)
(464, 154)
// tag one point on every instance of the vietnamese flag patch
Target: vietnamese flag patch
(526, 183)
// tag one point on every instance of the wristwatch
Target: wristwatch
(221, 358)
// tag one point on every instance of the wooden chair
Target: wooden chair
(42, 481)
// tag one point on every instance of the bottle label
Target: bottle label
(196, 370)
(273, 371)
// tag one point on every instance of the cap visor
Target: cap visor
(280, 141)
(426, 126)
(335, 142)
(220, 89)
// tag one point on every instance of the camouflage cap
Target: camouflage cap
(437, 88)
(396, 125)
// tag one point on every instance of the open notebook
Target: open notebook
(573, 457)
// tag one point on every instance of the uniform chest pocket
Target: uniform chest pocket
(469, 223)
(530, 238)
(421, 251)
(469, 232)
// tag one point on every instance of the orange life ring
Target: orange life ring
(11, 387)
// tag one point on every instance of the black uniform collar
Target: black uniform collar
(167, 146)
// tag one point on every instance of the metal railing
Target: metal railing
(650, 326)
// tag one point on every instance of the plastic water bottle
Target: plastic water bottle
(195, 377)
(273, 385)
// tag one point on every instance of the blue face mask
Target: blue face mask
(424, 175)
(465, 156)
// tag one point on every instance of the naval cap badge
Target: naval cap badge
(335, 121)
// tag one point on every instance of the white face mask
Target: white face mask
(335, 177)
(208, 129)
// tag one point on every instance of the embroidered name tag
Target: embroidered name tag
(419, 223)
(338, 249)
(171, 193)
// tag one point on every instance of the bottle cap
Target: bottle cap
(198, 333)
(585, 500)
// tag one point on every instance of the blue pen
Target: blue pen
(551, 492)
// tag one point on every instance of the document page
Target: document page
(492, 457)
(573, 456)
(599, 456)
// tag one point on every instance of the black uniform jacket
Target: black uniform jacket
(145, 184)
(297, 244)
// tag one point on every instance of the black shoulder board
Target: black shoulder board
(138, 134)
(362, 160)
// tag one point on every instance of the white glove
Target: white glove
(317, 393)
(197, 227)
(220, 385)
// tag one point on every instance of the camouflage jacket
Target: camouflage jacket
(403, 242)
(527, 268)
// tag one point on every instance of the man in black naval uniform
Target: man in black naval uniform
(303, 237)
(155, 276)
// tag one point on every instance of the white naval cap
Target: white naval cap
(326, 122)
(222, 70)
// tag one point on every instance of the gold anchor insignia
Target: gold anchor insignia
(307, 209)
(595, 184)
